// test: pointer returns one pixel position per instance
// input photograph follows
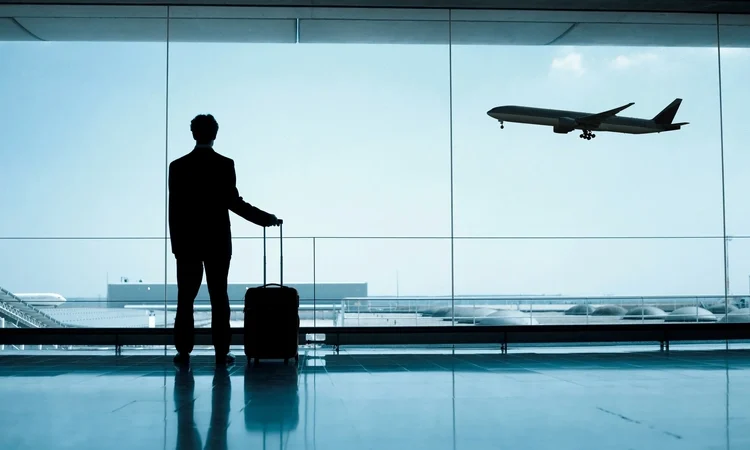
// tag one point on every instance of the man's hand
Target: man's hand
(274, 221)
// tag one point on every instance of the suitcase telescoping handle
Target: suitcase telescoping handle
(281, 255)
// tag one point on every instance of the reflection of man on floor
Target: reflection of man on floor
(188, 437)
(202, 191)
(220, 397)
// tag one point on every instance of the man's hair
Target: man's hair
(204, 128)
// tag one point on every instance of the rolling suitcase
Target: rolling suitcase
(272, 316)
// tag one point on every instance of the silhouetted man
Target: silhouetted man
(202, 191)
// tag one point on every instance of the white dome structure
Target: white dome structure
(609, 310)
(645, 313)
(691, 314)
(505, 317)
(580, 310)
(738, 316)
(466, 314)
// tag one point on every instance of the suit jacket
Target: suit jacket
(202, 191)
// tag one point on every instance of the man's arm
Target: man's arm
(175, 221)
(172, 200)
(244, 209)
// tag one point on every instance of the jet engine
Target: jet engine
(565, 125)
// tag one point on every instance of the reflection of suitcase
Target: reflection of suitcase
(271, 399)
(272, 316)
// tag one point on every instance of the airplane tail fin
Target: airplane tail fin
(666, 116)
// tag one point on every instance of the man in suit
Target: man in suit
(202, 191)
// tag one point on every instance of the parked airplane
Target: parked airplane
(46, 300)
(566, 121)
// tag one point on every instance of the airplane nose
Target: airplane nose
(495, 111)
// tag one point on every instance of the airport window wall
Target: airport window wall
(368, 132)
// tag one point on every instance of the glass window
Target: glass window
(83, 160)
(84, 105)
(734, 53)
(378, 136)
(521, 179)
(345, 133)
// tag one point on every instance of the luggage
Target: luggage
(272, 316)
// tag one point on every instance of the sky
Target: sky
(349, 143)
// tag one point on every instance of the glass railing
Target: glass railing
(383, 282)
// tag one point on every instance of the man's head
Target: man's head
(204, 128)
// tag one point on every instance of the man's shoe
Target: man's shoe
(225, 360)
(182, 359)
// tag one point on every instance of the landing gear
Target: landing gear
(501, 124)
(588, 135)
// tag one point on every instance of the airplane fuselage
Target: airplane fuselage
(557, 118)
(43, 299)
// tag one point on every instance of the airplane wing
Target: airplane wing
(597, 119)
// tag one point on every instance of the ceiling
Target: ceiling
(688, 6)
(140, 23)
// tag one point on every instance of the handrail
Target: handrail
(18, 315)
(534, 297)
(428, 335)
(325, 301)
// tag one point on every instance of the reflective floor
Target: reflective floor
(433, 400)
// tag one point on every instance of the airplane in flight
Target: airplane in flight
(563, 122)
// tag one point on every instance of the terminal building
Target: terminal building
(128, 293)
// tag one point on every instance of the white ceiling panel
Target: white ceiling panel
(105, 29)
(233, 30)
(506, 33)
(373, 31)
(735, 36)
(11, 31)
(735, 19)
(234, 12)
(217, 12)
(650, 35)
(581, 16)
(79, 11)
(380, 14)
